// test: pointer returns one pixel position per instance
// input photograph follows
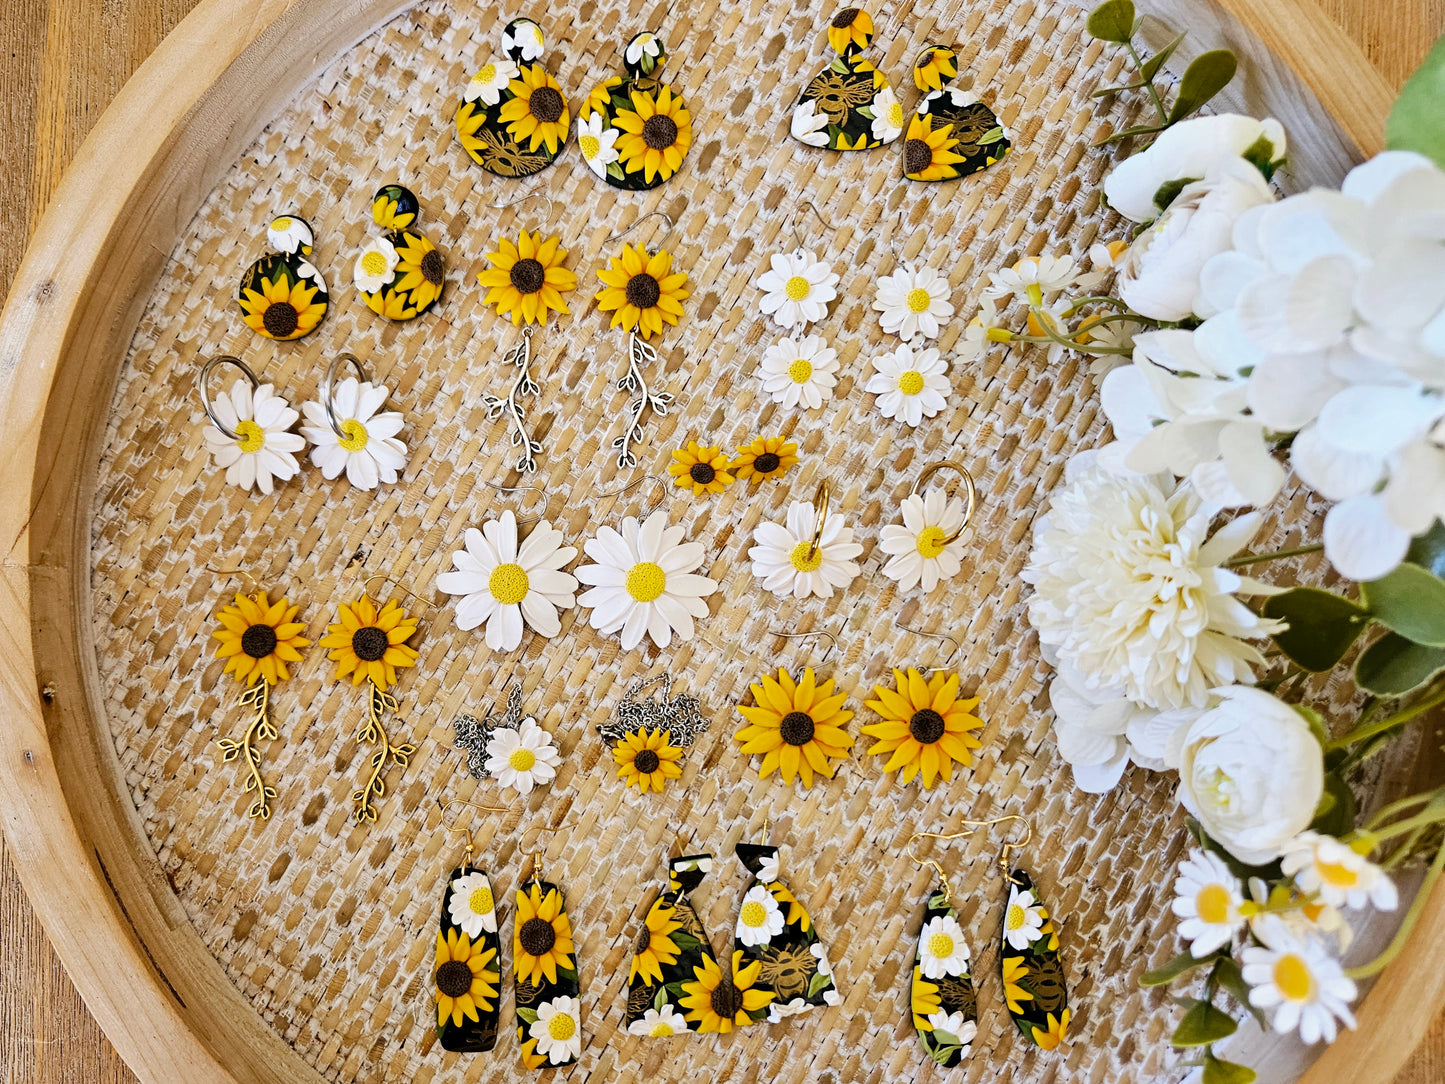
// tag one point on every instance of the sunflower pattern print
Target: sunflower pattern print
(671, 950)
(775, 932)
(544, 961)
(400, 274)
(951, 134)
(634, 132)
(513, 119)
(941, 994)
(282, 295)
(1031, 967)
(849, 105)
(466, 979)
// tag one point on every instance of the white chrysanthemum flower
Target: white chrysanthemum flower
(1208, 897)
(370, 452)
(800, 371)
(957, 1025)
(1023, 918)
(786, 561)
(942, 948)
(910, 385)
(887, 116)
(759, 919)
(290, 234)
(1298, 981)
(1337, 874)
(375, 265)
(659, 1023)
(1033, 276)
(911, 302)
(644, 45)
(642, 581)
(796, 288)
(506, 585)
(471, 906)
(524, 36)
(522, 758)
(918, 548)
(558, 1030)
(597, 142)
(266, 449)
(490, 80)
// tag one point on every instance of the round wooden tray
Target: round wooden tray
(84, 855)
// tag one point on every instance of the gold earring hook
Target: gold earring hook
(937, 869)
(822, 497)
(452, 829)
(519, 489)
(255, 583)
(937, 636)
(536, 872)
(662, 492)
(640, 221)
(932, 469)
(1005, 857)
(392, 579)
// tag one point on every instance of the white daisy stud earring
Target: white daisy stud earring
(513, 119)
(912, 302)
(926, 547)
(282, 295)
(796, 286)
(514, 750)
(952, 133)
(350, 432)
(910, 384)
(811, 553)
(401, 273)
(250, 434)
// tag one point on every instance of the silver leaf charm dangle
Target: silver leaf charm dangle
(522, 384)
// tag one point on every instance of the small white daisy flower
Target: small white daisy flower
(1207, 896)
(759, 919)
(648, 44)
(910, 385)
(809, 126)
(471, 905)
(918, 548)
(307, 270)
(507, 585)
(558, 1030)
(642, 581)
(1312, 920)
(266, 449)
(796, 288)
(1335, 872)
(369, 451)
(820, 953)
(1023, 918)
(522, 758)
(290, 234)
(525, 37)
(659, 1023)
(957, 1025)
(974, 340)
(490, 80)
(911, 302)
(782, 1010)
(1297, 980)
(597, 143)
(1106, 257)
(1032, 276)
(375, 265)
(768, 870)
(787, 563)
(942, 949)
(800, 371)
(887, 116)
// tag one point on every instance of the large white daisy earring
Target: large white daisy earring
(513, 749)
(926, 545)
(350, 432)
(250, 434)
(913, 302)
(812, 553)
(797, 287)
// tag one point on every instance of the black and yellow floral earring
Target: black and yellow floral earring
(848, 106)
(544, 961)
(513, 119)
(634, 131)
(952, 133)
(467, 977)
(941, 993)
(282, 295)
(400, 274)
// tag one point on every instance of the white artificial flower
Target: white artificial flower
(781, 1010)
(1337, 874)
(522, 758)
(558, 1030)
(290, 234)
(1106, 257)
(370, 452)
(918, 548)
(809, 126)
(768, 870)
(659, 1023)
(911, 301)
(1298, 982)
(786, 561)
(1033, 276)
(1208, 897)
(1307, 920)
(1131, 590)
(974, 341)
(266, 448)
(910, 385)
(471, 906)
(957, 1025)
(942, 949)
(489, 82)
(1250, 771)
(507, 585)
(887, 116)
(642, 581)
(759, 919)
(1191, 150)
(800, 372)
(796, 288)
(597, 142)
(1023, 918)
(644, 44)
(525, 37)
(375, 265)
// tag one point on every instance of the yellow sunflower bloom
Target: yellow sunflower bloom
(924, 1000)
(705, 469)
(934, 67)
(599, 97)
(280, 310)
(390, 303)
(796, 726)
(526, 280)
(859, 144)
(647, 758)
(420, 270)
(530, 1058)
(641, 292)
(538, 113)
(384, 212)
(851, 28)
(719, 1002)
(258, 638)
(797, 913)
(542, 941)
(925, 727)
(1014, 969)
(465, 985)
(765, 457)
(1058, 1029)
(369, 644)
(655, 945)
(656, 133)
(927, 151)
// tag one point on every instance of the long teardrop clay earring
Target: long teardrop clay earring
(941, 994)
(547, 977)
(467, 977)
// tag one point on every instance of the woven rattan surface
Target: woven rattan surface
(327, 927)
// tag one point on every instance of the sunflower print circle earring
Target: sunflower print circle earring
(282, 295)
(635, 131)
(513, 119)
(848, 106)
(400, 274)
(952, 134)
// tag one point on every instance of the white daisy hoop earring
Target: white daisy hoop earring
(796, 286)
(250, 434)
(926, 545)
(513, 749)
(913, 302)
(811, 554)
(349, 432)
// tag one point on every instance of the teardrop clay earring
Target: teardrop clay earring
(400, 274)
(513, 119)
(951, 134)
(941, 995)
(282, 295)
(544, 959)
(635, 131)
(848, 106)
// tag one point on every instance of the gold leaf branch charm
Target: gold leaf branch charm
(258, 699)
(373, 732)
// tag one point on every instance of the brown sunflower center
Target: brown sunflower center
(701, 473)
(644, 940)
(280, 318)
(767, 463)
(917, 156)
(537, 936)
(845, 18)
(547, 105)
(433, 267)
(528, 276)
(369, 643)
(646, 761)
(258, 641)
(796, 728)
(659, 132)
(643, 291)
(931, 58)
(454, 978)
(926, 726)
(727, 1000)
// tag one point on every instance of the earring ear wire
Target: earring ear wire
(251, 580)
(822, 497)
(937, 636)
(650, 214)
(832, 640)
(519, 489)
(535, 874)
(328, 397)
(793, 223)
(937, 869)
(662, 491)
(932, 469)
(393, 580)
(452, 829)
(203, 383)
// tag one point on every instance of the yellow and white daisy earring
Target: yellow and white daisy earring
(926, 546)
(250, 434)
(350, 432)
(811, 553)
(913, 302)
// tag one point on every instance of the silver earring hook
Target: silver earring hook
(204, 382)
(519, 489)
(551, 205)
(662, 493)
(328, 395)
(932, 469)
(827, 651)
(793, 225)
(898, 257)
(640, 221)
(937, 636)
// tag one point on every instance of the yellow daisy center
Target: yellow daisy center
(895, 115)
(590, 145)
(804, 561)
(280, 225)
(753, 914)
(522, 760)
(508, 584)
(253, 437)
(1292, 977)
(918, 299)
(1212, 904)
(911, 382)
(940, 946)
(660, 1030)
(1332, 873)
(801, 371)
(373, 263)
(797, 288)
(1014, 920)
(930, 541)
(480, 901)
(486, 75)
(561, 1027)
(355, 437)
(646, 581)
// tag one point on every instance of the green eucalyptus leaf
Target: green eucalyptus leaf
(1202, 1025)
(1231, 980)
(1226, 1072)
(1180, 965)
(1322, 626)
(1428, 550)
(1206, 76)
(1113, 20)
(1410, 601)
(1417, 121)
(1393, 665)
(1150, 67)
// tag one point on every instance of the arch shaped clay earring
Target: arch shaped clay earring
(634, 131)
(848, 106)
(951, 133)
(400, 274)
(513, 119)
(253, 453)
(282, 295)
(546, 976)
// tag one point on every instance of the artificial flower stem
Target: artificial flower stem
(1256, 558)
(1386, 812)
(1050, 337)
(1410, 824)
(1402, 936)
(1105, 299)
(1389, 722)
(1148, 83)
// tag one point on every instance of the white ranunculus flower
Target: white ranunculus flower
(1251, 772)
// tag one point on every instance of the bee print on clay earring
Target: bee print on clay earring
(513, 119)
(634, 132)
(400, 274)
(848, 106)
(282, 295)
(952, 134)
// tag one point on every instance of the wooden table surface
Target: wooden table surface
(67, 59)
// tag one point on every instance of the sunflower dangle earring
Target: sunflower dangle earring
(941, 994)
(926, 546)
(282, 295)
(544, 960)
(848, 106)
(350, 432)
(250, 433)
(400, 274)
(951, 134)
(635, 131)
(467, 977)
(513, 119)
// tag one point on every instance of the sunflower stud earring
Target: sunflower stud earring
(635, 131)
(467, 976)
(282, 295)
(250, 432)
(926, 546)
(400, 274)
(848, 106)
(546, 974)
(795, 722)
(951, 133)
(514, 750)
(941, 994)
(811, 553)
(350, 432)
(513, 119)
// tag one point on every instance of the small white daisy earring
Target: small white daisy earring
(913, 302)
(909, 384)
(350, 432)
(513, 749)
(797, 287)
(811, 553)
(926, 546)
(250, 434)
